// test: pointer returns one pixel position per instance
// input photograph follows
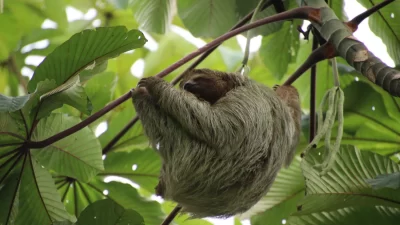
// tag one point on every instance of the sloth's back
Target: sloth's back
(227, 181)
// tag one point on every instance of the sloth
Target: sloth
(222, 138)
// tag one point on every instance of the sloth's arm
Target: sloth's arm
(290, 96)
(155, 122)
(210, 124)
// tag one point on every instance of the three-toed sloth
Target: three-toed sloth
(222, 138)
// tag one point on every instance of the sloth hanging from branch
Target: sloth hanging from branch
(222, 138)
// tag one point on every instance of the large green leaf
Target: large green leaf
(77, 156)
(117, 121)
(140, 166)
(246, 6)
(338, 7)
(154, 15)
(55, 10)
(280, 48)
(350, 216)
(281, 200)
(9, 193)
(386, 25)
(39, 202)
(345, 184)
(37, 103)
(12, 130)
(208, 18)
(100, 89)
(17, 19)
(107, 212)
(128, 197)
(370, 115)
(85, 50)
(70, 93)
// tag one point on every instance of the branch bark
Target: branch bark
(354, 51)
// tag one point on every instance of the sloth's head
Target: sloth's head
(210, 85)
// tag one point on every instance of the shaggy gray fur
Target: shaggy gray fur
(220, 159)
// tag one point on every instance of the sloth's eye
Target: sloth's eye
(188, 85)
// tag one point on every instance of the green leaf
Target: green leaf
(12, 104)
(119, 4)
(55, 10)
(140, 166)
(39, 202)
(344, 185)
(245, 7)
(100, 89)
(85, 50)
(281, 200)
(154, 16)
(107, 212)
(33, 105)
(128, 197)
(73, 95)
(280, 48)
(386, 180)
(40, 34)
(386, 25)
(350, 216)
(77, 156)
(117, 122)
(207, 18)
(9, 195)
(338, 7)
(369, 117)
(12, 130)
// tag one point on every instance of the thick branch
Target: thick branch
(354, 51)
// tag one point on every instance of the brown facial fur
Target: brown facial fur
(207, 84)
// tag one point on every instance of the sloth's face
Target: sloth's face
(207, 87)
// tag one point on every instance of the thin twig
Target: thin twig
(171, 215)
(313, 87)
(250, 33)
(116, 138)
(358, 19)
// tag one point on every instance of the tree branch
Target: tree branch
(354, 51)
(79, 126)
